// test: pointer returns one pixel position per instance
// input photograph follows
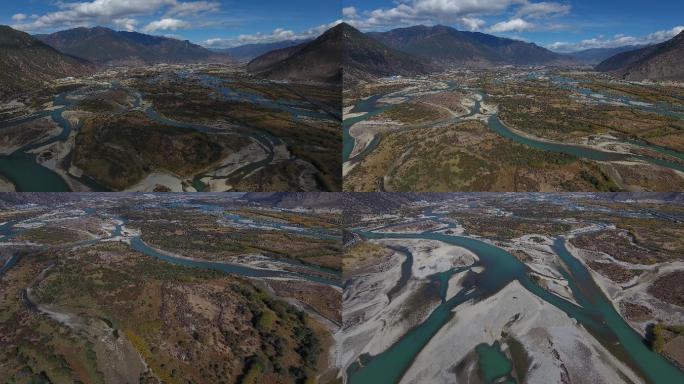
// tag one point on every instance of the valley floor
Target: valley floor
(513, 130)
(174, 289)
(178, 128)
(526, 288)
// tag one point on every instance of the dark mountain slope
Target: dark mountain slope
(26, 62)
(318, 60)
(105, 46)
(250, 51)
(309, 200)
(365, 57)
(661, 62)
(594, 56)
(624, 59)
(451, 47)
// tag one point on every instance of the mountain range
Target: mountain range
(105, 46)
(594, 56)
(365, 57)
(318, 60)
(660, 62)
(419, 50)
(250, 51)
(450, 47)
(292, 200)
(26, 62)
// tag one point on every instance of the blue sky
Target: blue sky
(214, 23)
(564, 25)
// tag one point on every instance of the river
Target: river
(303, 271)
(371, 106)
(21, 168)
(316, 274)
(595, 312)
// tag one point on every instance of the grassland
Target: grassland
(211, 121)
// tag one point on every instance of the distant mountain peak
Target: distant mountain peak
(106, 46)
(366, 57)
(659, 62)
(449, 46)
(26, 62)
(317, 60)
(597, 55)
(250, 51)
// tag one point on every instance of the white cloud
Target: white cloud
(193, 8)
(349, 12)
(166, 24)
(543, 9)
(429, 12)
(279, 34)
(468, 14)
(19, 17)
(664, 35)
(126, 23)
(472, 23)
(517, 25)
(460, 7)
(112, 12)
(618, 40)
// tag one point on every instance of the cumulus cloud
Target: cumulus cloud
(193, 8)
(513, 25)
(126, 23)
(19, 17)
(349, 12)
(279, 34)
(618, 40)
(166, 24)
(112, 12)
(543, 9)
(411, 12)
(472, 23)
(465, 13)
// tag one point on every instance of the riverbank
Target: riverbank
(557, 345)
(392, 295)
